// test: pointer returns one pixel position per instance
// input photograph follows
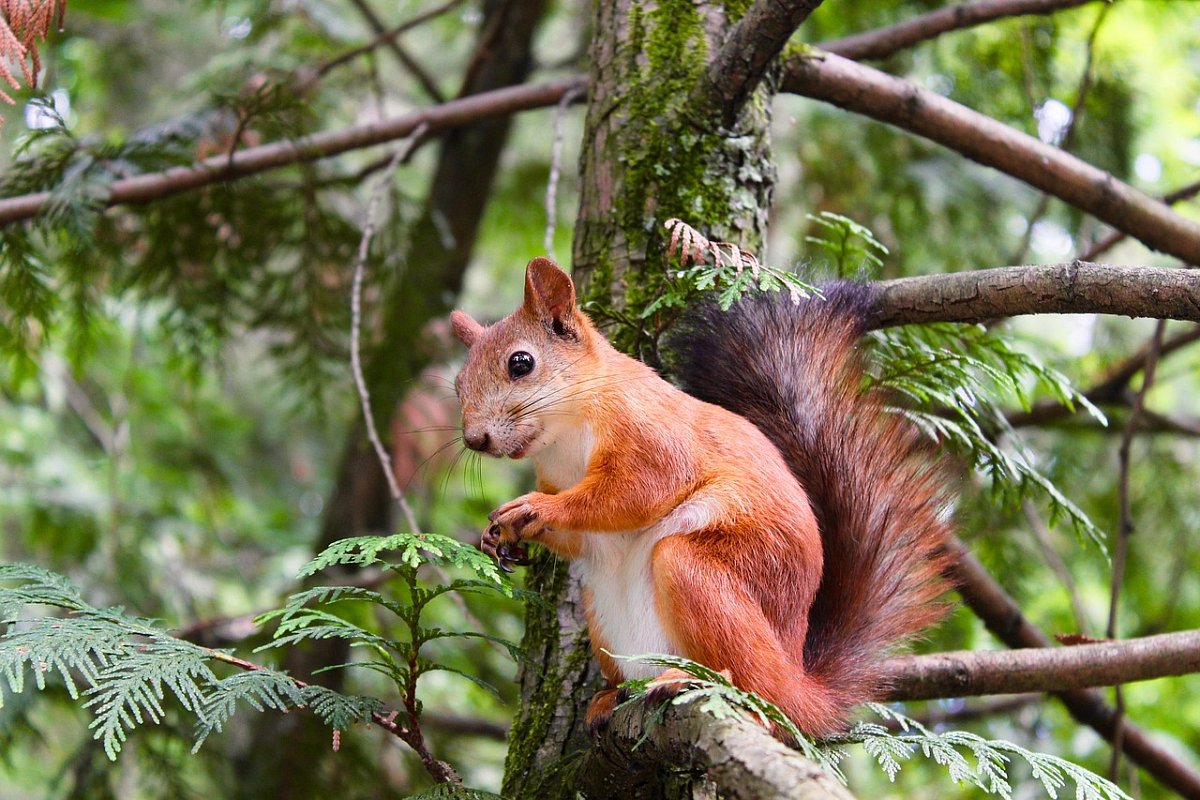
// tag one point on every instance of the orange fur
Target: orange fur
(696, 533)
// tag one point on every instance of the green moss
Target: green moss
(675, 165)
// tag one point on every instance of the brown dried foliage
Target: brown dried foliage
(24, 23)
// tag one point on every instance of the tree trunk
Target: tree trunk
(649, 154)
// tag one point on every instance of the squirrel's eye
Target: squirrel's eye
(520, 363)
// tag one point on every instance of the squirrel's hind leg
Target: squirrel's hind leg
(712, 617)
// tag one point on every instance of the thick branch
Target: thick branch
(1003, 617)
(898, 102)
(1049, 669)
(738, 755)
(883, 42)
(752, 46)
(1072, 288)
(452, 114)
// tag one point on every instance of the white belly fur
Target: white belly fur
(616, 566)
(616, 571)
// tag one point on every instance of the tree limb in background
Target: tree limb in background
(862, 90)
(406, 60)
(451, 114)
(1002, 616)
(1111, 388)
(1043, 669)
(1116, 237)
(884, 42)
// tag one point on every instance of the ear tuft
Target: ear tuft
(550, 296)
(465, 328)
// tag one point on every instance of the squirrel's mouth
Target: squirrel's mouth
(521, 449)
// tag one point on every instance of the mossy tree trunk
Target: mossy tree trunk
(661, 141)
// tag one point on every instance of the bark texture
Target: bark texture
(1077, 287)
(637, 759)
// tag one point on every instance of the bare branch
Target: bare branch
(866, 91)
(252, 160)
(1072, 288)
(1044, 669)
(884, 42)
(402, 55)
(1116, 237)
(1003, 617)
(751, 48)
(388, 36)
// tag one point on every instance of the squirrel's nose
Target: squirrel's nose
(477, 440)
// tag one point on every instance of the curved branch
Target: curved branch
(1044, 669)
(866, 91)
(1003, 617)
(883, 42)
(452, 114)
(1076, 287)
(738, 755)
(752, 47)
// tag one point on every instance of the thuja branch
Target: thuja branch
(866, 91)
(1076, 287)
(252, 160)
(438, 769)
(884, 42)
(1043, 669)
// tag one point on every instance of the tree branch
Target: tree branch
(252, 160)
(752, 47)
(884, 42)
(1043, 669)
(1072, 288)
(738, 755)
(1003, 617)
(866, 91)
(1111, 388)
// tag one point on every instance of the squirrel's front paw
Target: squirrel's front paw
(512, 522)
(503, 547)
(520, 517)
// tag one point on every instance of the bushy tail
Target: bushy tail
(794, 370)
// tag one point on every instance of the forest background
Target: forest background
(181, 428)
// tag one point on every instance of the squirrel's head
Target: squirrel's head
(520, 387)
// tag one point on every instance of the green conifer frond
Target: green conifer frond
(131, 667)
(954, 378)
(413, 550)
(968, 758)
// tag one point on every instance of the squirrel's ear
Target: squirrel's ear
(465, 328)
(550, 296)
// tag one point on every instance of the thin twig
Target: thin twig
(1116, 237)
(360, 382)
(556, 166)
(387, 36)
(406, 60)
(884, 42)
(1125, 526)
(440, 770)
(1068, 136)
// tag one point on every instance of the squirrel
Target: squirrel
(767, 520)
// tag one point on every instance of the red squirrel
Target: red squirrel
(772, 522)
